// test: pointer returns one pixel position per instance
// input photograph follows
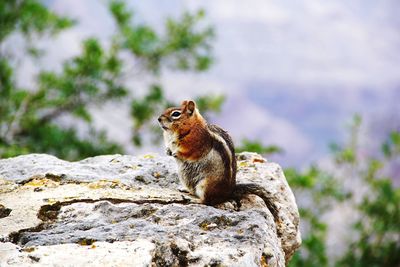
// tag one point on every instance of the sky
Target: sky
(294, 72)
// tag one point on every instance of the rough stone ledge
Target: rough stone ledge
(123, 210)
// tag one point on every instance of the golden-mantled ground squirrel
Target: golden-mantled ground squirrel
(205, 155)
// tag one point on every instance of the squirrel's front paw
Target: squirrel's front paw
(183, 190)
(168, 151)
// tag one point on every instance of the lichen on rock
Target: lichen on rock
(128, 211)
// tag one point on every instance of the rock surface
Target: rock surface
(128, 211)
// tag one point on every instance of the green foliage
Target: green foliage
(324, 191)
(190, 47)
(313, 250)
(184, 46)
(29, 120)
(210, 103)
(377, 230)
(29, 124)
(348, 153)
(85, 80)
(392, 145)
(258, 147)
(142, 110)
(29, 17)
(121, 15)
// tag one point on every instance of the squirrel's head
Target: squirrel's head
(181, 119)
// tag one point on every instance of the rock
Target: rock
(128, 211)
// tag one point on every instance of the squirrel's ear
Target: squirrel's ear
(191, 106)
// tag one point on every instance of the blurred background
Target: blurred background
(312, 85)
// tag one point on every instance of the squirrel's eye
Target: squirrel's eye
(175, 114)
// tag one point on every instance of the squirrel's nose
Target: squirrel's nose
(159, 119)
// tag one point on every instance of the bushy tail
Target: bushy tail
(250, 188)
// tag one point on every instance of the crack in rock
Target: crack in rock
(49, 213)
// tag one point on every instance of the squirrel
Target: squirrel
(205, 156)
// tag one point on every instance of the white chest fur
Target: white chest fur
(170, 141)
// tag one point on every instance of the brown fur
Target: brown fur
(193, 138)
(217, 191)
